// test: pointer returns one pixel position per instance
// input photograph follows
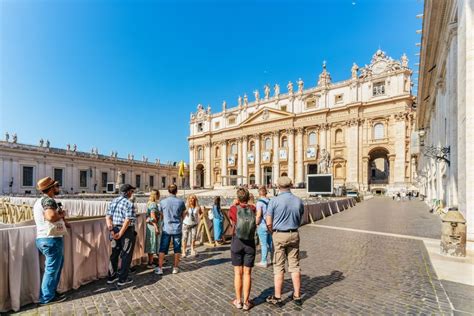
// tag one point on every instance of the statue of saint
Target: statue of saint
(277, 89)
(290, 87)
(15, 138)
(41, 142)
(7, 136)
(404, 61)
(74, 148)
(239, 101)
(246, 100)
(47, 143)
(224, 106)
(257, 95)
(208, 109)
(267, 91)
(354, 70)
(68, 147)
(300, 85)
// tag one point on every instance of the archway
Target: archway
(379, 167)
(200, 176)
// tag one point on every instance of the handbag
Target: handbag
(56, 229)
(210, 214)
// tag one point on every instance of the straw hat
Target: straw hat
(46, 183)
(284, 182)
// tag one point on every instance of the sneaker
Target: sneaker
(158, 271)
(237, 304)
(175, 270)
(56, 299)
(112, 280)
(60, 295)
(262, 264)
(274, 301)
(247, 306)
(150, 266)
(297, 300)
(127, 281)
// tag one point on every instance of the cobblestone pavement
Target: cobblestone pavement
(382, 214)
(343, 272)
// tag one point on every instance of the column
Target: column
(245, 171)
(299, 156)
(352, 142)
(2, 178)
(207, 170)
(365, 173)
(391, 159)
(16, 174)
(239, 159)
(291, 154)
(324, 128)
(192, 180)
(223, 162)
(276, 157)
(257, 155)
(399, 148)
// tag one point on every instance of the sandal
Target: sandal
(237, 304)
(274, 301)
(247, 306)
(297, 300)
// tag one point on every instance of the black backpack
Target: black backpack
(246, 223)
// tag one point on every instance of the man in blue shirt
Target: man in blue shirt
(120, 219)
(173, 210)
(283, 219)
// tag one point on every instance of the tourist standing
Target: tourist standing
(190, 223)
(50, 228)
(284, 218)
(120, 219)
(218, 221)
(242, 217)
(173, 210)
(263, 235)
(152, 237)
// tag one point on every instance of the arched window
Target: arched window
(218, 151)
(200, 153)
(339, 138)
(233, 149)
(284, 174)
(252, 146)
(312, 139)
(252, 179)
(268, 143)
(379, 131)
(284, 142)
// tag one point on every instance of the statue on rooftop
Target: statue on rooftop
(354, 70)
(404, 61)
(7, 136)
(267, 91)
(277, 90)
(246, 100)
(15, 138)
(290, 87)
(47, 143)
(224, 106)
(239, 103)
(74, 148)
(300, 86)
(257, 95)
(41, 142)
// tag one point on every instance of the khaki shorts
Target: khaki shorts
(189, 231)
(286, 248)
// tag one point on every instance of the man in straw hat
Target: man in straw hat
(120, 219)
(283, 218)
(50, 229)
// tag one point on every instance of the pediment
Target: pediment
(266, 115)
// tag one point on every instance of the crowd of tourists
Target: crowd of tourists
(170, 220)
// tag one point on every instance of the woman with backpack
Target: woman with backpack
(190, 222)
(218, 221)
(242, 249)
(262, 231)
(152, 236)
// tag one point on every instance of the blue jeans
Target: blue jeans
(266, 243)
(166, 240)
(218, 228)
(52, 249)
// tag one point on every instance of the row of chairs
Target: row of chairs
(14, 213)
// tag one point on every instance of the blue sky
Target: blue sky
(125, 75)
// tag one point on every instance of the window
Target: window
(58, 175)
(268, 143)
(379, 131)
(200, 153)
(83, 178)
(104, 179)
(283, 108)
(152, 181)
(174, 180)
(312, 139)
(233, 149)
(338, 98)
(252, 179)
(163, 182)
(378, 89)
(284, 142)
(123, 178)
(218, 152)
(137, 180)
(252, 146)
(311, 104)
(28, 176)
(339, 138)
(200, 127)
(216, 125)
(231, 120)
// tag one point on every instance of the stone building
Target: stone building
(358, 130)
(445, 111)
(22, 165)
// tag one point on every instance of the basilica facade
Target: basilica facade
(358, 130)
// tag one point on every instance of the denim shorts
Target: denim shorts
(166, 240)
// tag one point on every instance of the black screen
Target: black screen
(322, 184)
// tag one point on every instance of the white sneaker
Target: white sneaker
(262, 265)
(175, 270)
(158, 271)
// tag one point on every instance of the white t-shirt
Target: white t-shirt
(42, 226)
(191, 216)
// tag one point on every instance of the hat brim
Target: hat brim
(49, 186)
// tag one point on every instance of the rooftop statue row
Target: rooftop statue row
(380, 63)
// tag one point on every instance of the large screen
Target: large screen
(320, 184)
